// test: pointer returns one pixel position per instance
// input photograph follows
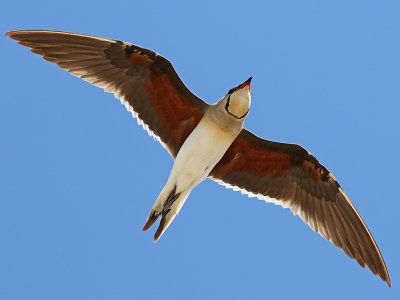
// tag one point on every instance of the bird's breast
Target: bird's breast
(201, 151)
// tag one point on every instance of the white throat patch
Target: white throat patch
(239, 102)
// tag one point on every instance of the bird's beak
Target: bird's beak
(246, 83)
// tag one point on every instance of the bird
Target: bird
(209, 140)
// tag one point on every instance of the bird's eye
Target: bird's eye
(231, 91)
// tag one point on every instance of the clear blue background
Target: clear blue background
(78, 177)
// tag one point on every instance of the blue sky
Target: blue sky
(78, 177)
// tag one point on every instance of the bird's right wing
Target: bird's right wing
(143, 80)
(288, 175)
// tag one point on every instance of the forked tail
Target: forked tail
(168, 209)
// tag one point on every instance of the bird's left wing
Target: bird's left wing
(288, 175)
(143, 80)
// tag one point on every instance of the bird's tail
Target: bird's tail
(167, 207)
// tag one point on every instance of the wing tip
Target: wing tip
(10, 34)
(15, 35)
(389, 283)
(385, 277)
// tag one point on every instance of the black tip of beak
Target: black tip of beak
(249, 80)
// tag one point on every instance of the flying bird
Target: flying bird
(208, 140)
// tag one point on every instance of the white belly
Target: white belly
(201, 151)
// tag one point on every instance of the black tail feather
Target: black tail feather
(151, 219)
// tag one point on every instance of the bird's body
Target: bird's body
(199, 154)
(209, 140)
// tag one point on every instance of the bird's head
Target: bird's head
(238, 99)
